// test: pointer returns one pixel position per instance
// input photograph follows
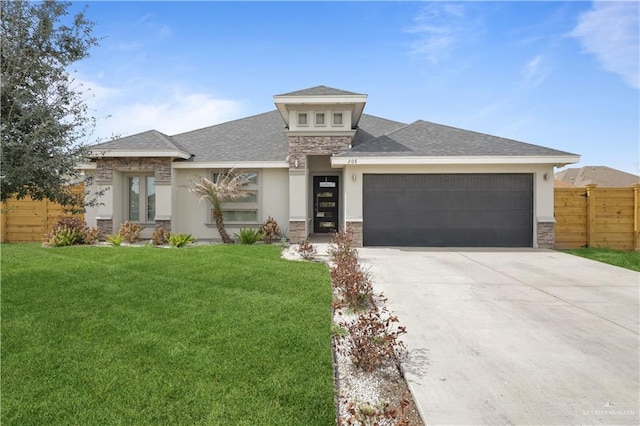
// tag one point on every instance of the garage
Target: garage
(448, 210)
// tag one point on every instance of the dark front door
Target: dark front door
(325, 204)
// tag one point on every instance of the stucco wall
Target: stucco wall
(193, 216)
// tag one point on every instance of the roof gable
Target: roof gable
(150, 142)
(320, 91)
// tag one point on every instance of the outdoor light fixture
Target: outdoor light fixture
(354, 177)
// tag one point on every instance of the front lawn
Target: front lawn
(127, 335)
(625, 259)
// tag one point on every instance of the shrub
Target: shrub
(373, 338)
(353, 284)
(114, 240)
(130, 232)
(160, 236)
(92, 236)
(180, 240)
(67, 231)
(306, 249)
(249, 236)
(382, 413)
(342, 245)
(270, 230)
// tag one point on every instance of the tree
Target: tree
(227, 186)
(44, 120)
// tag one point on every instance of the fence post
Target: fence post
(3, 222)
(591, 213)
(636, 212)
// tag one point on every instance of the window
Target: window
(141, 199)
(320, 119)
(302, 119)
(243, 210)
(337, 119)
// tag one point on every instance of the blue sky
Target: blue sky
(557, 74)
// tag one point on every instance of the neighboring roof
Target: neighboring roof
(256, 138)
(560, 184)
(600, 175)
(425, 139)
(319, 91)
(149, 141)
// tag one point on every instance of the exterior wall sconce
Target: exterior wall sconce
(545, 176)
(354, 177)
(295, 163)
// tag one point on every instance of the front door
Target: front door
(325, 204)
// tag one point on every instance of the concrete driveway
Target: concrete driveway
(517, 336)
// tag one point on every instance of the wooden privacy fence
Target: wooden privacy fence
(597, 217)
(30, 220)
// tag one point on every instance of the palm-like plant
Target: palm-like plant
(227, 186)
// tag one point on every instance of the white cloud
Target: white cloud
(125, 111)
(176, 114)
(439, 27)
(610, 31)
(535, 72)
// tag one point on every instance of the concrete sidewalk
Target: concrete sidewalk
(517, 336)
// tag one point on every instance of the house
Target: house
(318, 163)
(604, 177)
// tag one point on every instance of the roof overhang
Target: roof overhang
(231, 165)
(284, 104)
(114, 153)
(557, 161)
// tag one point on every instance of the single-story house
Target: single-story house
(318, 163)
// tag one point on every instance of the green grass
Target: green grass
(204, 335)
(629, 260)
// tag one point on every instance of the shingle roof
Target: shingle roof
(147, 141)
(320, 91)
(602, 176)
(423, 138)
(256, 138)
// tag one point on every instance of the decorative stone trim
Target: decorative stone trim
(105, 226)
(161, 167)
(163, 223)
(301, 146)
(546, 234)
(356, 232)
(297, 231)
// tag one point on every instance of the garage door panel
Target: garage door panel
(492, 210)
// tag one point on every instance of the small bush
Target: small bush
(249, 236)
(180, 240)
(114, 240)
(307, 250)
(160, 236)
(92, 236)
(382, 413)
(373, 338)
(67, 231)
(270, 230)
(342, 245)
(130, 232)
(353, 284)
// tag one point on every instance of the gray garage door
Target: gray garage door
(448, 210)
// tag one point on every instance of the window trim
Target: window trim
(333, 119)
(143, 207)
(306, 119)
(324, 119)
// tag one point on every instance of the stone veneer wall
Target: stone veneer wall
(546, 235)
(161, 168)
(297, 231)
(105, 226)
(300, 146)
(356, 231)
